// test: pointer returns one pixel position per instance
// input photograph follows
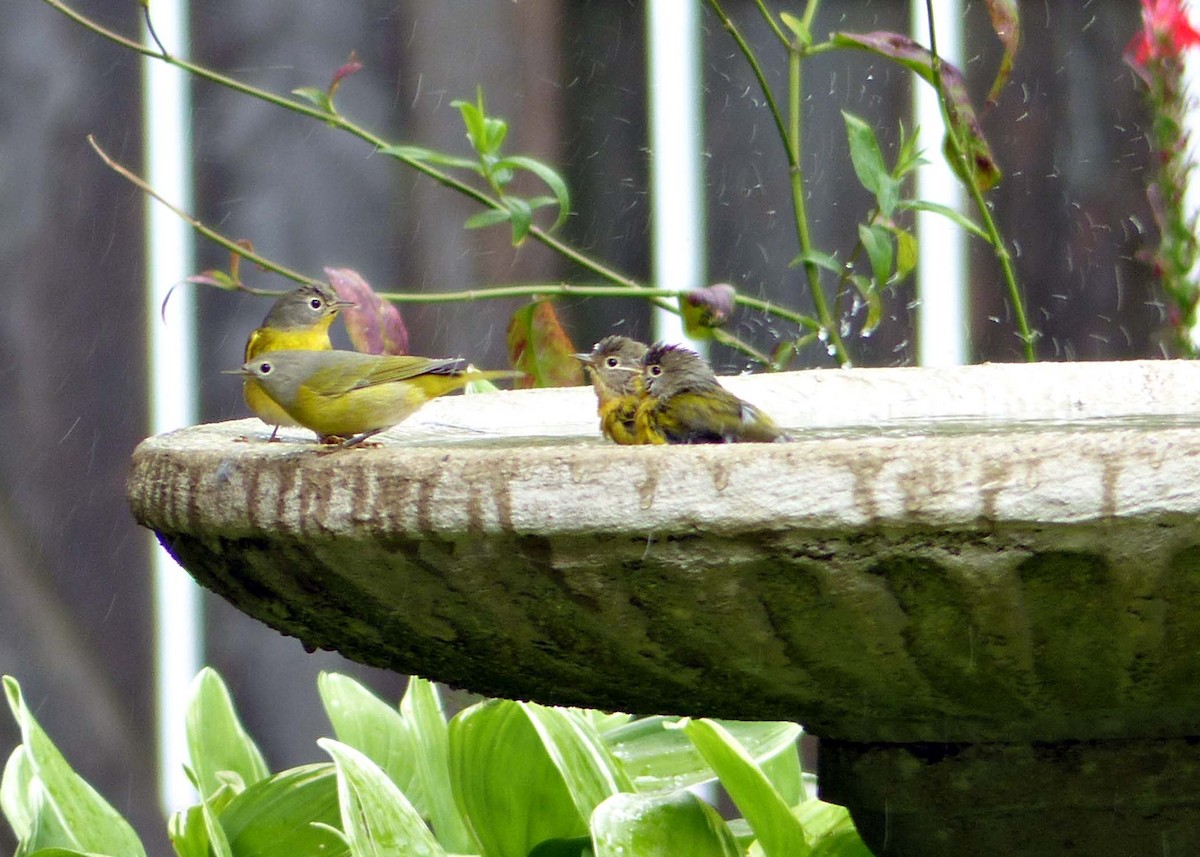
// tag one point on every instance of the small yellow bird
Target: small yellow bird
(685, 403)
(615, 366)
(347, 394)
(298, 321)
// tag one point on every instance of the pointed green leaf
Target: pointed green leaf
(425, 719)
(825, 821)
(218, 842)
(17, 792)
(963, 122)
(906, 252)
(319, 98)
(660, 825)
(489, 217)
(522, 774)
(821, 260)
(865, 153)
(784, 772)
(429, 156)
(796, 25)
(949, 213)
(877, 241)
(82, 819)
(552, 180)
(187, 831)
(779, 833)
(472, 117)
(365, 722)
(376, 816)
(216, 739)
(293, 812)
(659, 758)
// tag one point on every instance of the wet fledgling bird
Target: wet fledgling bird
(685, 403)
(615, 366)
(298, 321)
(352, 396)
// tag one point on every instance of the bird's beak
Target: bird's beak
(239, 371)
(339, 305)
(585, 359)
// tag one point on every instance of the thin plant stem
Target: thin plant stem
(790, 134)
(985, 214)
(626, 284)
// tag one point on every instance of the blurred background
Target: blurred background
(75, 585)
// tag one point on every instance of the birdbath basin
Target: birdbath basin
(979, 586)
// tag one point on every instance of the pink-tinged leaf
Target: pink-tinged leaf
(981, 166)
(1006, 21)
(375, 325)
(706, 309)
(539, 347)
(215, 278)
(349, 67)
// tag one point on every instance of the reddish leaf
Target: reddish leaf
(539, 347)
(1006, 21)
(375, 325)
(349, 67)
(705, 309)
(984, 173)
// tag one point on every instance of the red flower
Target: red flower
(1166, 33)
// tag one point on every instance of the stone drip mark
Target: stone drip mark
(993, 478)
(649, 487)
(865, 473)
(720, 475)
(1111, 469)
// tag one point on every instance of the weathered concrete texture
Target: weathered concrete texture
(993, 583)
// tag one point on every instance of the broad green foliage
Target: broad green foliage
(501, 778)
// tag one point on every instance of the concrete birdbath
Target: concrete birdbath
(979, 586)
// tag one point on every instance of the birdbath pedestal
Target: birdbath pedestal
(980, 586)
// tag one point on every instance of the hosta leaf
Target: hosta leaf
(661, 825)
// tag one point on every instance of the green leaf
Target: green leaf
(580, 846)
(906, 252)
(871, 297)
(877, 241)
(490, 217)
(865, 153)
(520, 216)
(82, 819)
(293, 812)
(523, 774)
(429, 156)
(16, 793)
(660, 758)
(319, 98)
(796, 25)
(425, 719)
(365, 722)
(821, 260)
(552, 180)
(779, 833)
(216, 739)
(963, 122)
(540, 347)
(823, 820)
(949, 213)
(217, 840)
(472, 116)
(784, 772)
(378, 819)
(660, 825)
(188, 834)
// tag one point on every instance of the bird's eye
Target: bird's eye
(316, 303)
(655, 370)
(264, 368)
(612, 362)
